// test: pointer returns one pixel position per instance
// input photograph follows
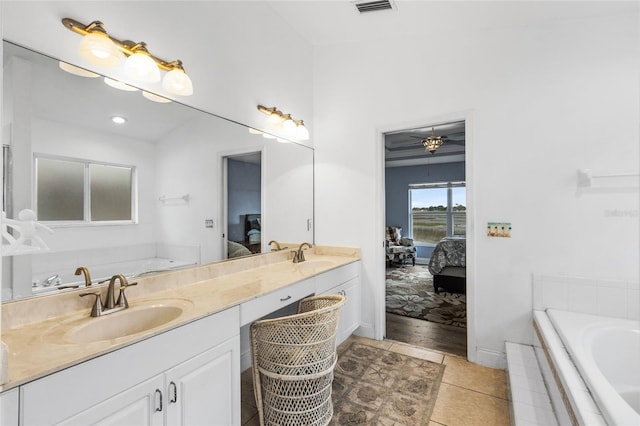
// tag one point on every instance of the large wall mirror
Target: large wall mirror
(144, 196)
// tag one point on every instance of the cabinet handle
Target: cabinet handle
(174, 398)
(285, 298)
(159, 393)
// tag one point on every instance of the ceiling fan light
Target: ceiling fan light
(141, 67)
(99, 49)
(177, 82)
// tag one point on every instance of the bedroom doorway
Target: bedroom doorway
(243, 200)
(425, 203)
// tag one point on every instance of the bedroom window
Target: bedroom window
(437, 211)
(81, 192)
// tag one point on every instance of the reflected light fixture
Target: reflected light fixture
(77, 70)
(119, 85)
(155, 98)
(102, 49)
(433, 142)
(292, 128)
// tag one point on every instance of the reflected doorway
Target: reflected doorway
(243, 204)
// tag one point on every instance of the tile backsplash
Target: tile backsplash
(619, 299)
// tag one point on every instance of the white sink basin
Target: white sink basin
(314, 264)
(124, 323)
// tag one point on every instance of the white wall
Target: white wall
(543, 101)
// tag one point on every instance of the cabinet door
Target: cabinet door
(141, 405)
(350, 313)
(206, 389)
(9, 407)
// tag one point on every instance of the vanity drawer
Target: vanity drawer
(263, 305)
(335, 277)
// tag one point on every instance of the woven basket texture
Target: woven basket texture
(293, 362)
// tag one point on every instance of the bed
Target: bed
(448, 265)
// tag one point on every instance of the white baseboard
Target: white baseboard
(489, 358)
(366, 330)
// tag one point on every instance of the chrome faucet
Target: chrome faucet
(298, 255)
(110, 305)
(87, 276)
(51, 280)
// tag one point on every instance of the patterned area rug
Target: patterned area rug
(409, 292)
(372, 386)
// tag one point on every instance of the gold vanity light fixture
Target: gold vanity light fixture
(292, 128)
(433, 142)
(139, 64)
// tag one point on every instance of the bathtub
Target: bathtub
(606, 353)
(99, 273)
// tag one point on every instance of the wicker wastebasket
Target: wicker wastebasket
(293, 361)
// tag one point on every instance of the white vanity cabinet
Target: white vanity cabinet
(188, 375)
(345, 281)
(9, 407)
(201, 390)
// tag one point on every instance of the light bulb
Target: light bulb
(141, 67)
(99, 49)
(72, 69)
(155, 98)
(118, 119)
(177, 82)
(288, 125)
(302, 134)
(274, 120)
(119, 85)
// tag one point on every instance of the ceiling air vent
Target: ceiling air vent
(373, 6)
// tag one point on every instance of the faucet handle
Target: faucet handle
(96, 310)
(122, 299)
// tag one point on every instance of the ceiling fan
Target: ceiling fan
(433, 142)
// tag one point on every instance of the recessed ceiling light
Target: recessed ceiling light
(118, 119)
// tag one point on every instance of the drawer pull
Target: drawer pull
(173, 399)
(159, 393)
(284, 299)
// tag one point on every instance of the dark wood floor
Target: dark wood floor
(426, 334)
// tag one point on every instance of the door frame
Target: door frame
(379, 290)
(224, 207)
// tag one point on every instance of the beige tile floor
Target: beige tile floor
(469, 394)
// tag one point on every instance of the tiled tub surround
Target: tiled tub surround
(606, 352)
(552, 365)
(609, 298)
(32, 328)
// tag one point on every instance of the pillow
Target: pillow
(394, 234)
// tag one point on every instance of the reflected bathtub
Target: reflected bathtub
(606, 352)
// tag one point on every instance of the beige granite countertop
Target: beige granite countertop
(39, 332)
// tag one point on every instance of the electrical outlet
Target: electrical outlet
(209, 223)
(499, 229)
